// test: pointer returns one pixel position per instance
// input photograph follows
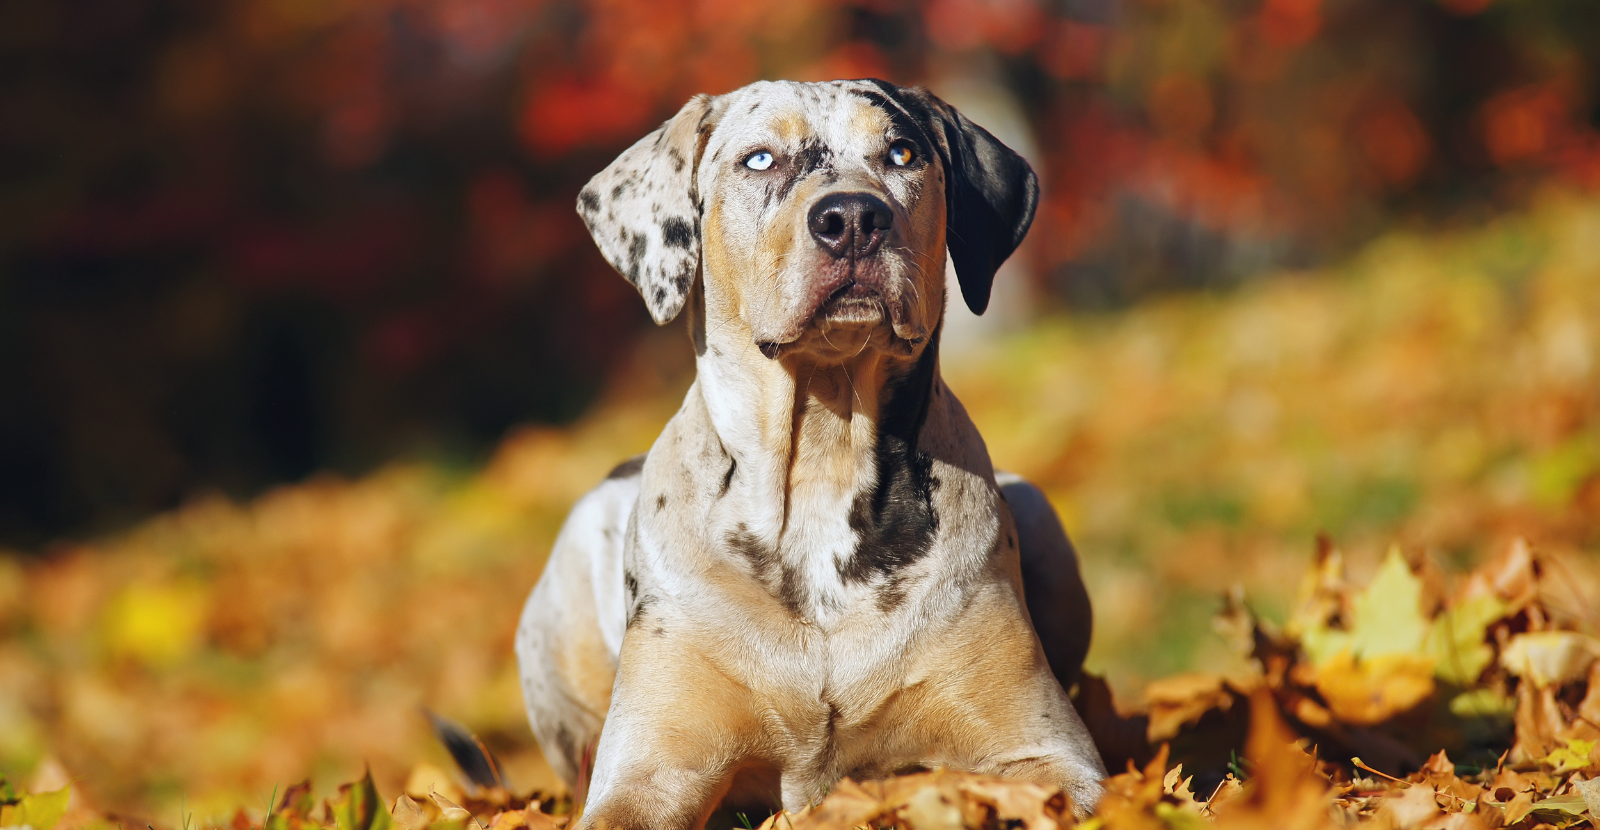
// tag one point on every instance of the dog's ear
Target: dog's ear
(990, 194)
(644, 214)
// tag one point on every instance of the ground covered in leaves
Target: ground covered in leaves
(1330, 516)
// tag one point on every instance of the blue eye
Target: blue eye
(759, 161)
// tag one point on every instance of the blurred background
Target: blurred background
(306, 352)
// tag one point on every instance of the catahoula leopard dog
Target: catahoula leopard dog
(815, 571)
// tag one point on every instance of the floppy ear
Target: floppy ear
(644, 214)
(990, 194)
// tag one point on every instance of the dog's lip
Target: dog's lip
(851, 289)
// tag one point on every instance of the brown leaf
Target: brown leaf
(1439, 774)
(1183, 699)
(849, 805)
(1538, 722)
(1038, 808)
(1410, 807)
(1285, 794)
(1519, 807)
(451, 811)
(408, 814)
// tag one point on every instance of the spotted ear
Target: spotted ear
(643, 212)
(990, 194)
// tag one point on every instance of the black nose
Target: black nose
(850, 224)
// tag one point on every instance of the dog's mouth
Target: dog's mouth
(856, 311)
(852, 294)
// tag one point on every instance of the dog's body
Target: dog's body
(814, 572)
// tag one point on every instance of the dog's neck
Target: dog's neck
(806, 433)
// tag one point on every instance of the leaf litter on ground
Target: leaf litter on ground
(1443, 391)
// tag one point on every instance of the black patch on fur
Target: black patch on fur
(620, 190)
(638, 603)
(812, 156)
(745, 543)
(676, 159)
(588, 202)
(895, 522)
(628, 468)
(661, 502)
(891, 594)
(677, 232)
(754, 107)
(727, 478)
(905, 125)
(638, 245)
(790, 590)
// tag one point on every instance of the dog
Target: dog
(815, 571)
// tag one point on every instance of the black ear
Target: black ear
(644, 214)
(990, 193)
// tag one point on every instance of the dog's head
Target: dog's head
(817, 214)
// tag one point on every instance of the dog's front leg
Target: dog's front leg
(677, 730)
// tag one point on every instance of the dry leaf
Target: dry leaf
(1410, 807)
(1285, 793)
(408, 814)
(1550, 658)
(451, 811)
(1183, 699)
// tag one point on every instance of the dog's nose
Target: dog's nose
(850, 224)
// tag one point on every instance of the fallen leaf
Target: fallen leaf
(408, 814)
(1572, 755)
(358, 807)
(1183, 699)
(928, 809)
(1372, 690)
(39, 811)
(1456, 639)
(1285, 792)
(1590, 790)
(1409, 807)
(449, 810)
(1550, 658)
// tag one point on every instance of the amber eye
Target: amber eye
(901, 155)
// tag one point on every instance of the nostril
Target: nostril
(851, 224)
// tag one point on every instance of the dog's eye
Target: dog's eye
(901, 155)
(759, 161)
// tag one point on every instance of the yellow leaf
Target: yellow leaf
(39, 811)
(1385, 619)
(1388, 615)
(1573, 756)
(1373, 690)
(1456, 639)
